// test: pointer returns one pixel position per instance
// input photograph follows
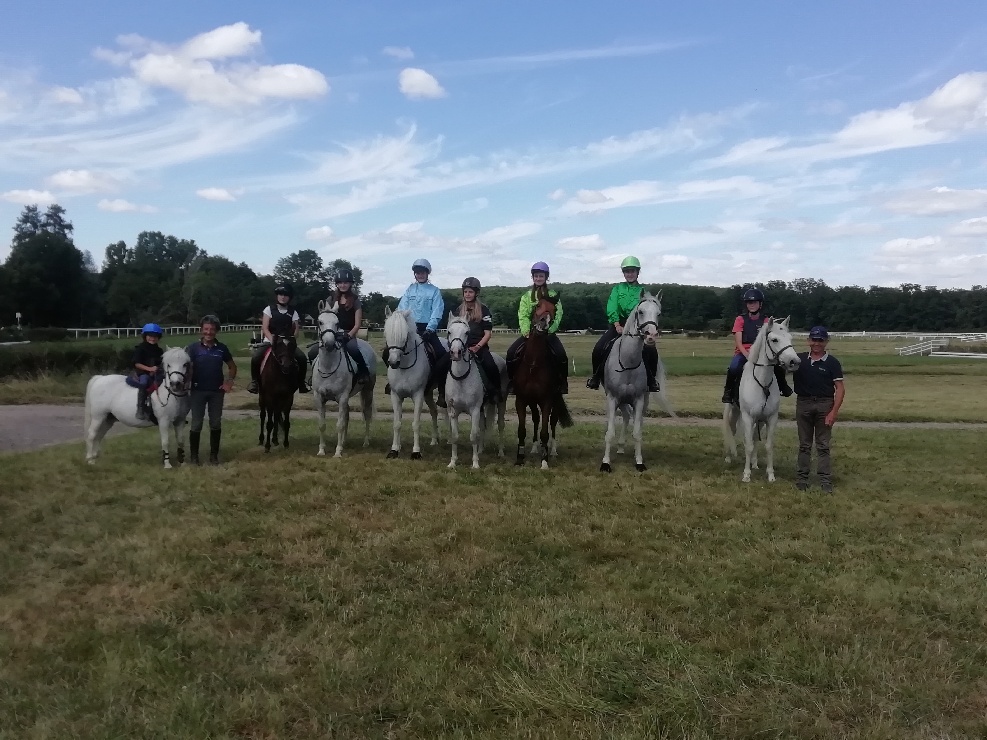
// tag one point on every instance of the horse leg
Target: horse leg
(769, 448)
(416, 425)
(165, 443)
(639, 405)
(179, 425)
(546, 414)
(342, 423)
(622, 429)
(320, 407)
(263, 418)
(535, 421)
(749, 450)
(367, 408)
(98, 428)
(287, 425)
(270, 428)
(476, 433)
(522, 413)
(396, 409)
(758, 429)
(433, 411)
(729, 433)
(611, 432)
(453, 435)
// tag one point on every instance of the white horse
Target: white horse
(760, 397)
(625, 378)
(408, 371)
(109, 399)
(332, 379)
(464, 393)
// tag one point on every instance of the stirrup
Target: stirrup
(593, 383)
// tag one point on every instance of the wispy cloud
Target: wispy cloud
(217, 194)
(28, 197)
(119, 205)
(403, 53)
(417, 84)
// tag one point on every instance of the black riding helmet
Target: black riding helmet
(753, 294)
(344, 275)
(284, 289)
(472, 282)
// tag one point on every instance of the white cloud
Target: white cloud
(219, 194)
(937, 202)
(118, 205)
(319, 234)
(405, 228)
(970, 227)
(511, 233)
(81, 182)
(476, 205)
(956, 108)
(652, 192)
(417, 84)
(581, 243)
(398, 52)
(675, 262)
(28, 197)
(200, 69)
(557, 194)
(66, 95)
(924, 246)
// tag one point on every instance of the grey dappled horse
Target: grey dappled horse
(464, 393)
(109, 399)
(408, 371)
(625, 378)
(760, 397)
(332, 379)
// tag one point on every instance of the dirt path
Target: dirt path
(32, 427)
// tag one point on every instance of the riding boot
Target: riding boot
(255, 361)
(193, 447)
(302, 385)
(650, 360)
(729, 388)
(387, 389)
(214, 436)
(594, 380)
(782, 377)
(563, 368)
(141, 404)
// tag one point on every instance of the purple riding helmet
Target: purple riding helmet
(540, 267)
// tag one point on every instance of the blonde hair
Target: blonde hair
(471, 314)
(337, 297)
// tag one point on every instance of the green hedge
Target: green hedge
(25, 360)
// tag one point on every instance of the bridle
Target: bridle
(467, 354)
(183, 374)
(283, 365)
(772, 362)
(335, 333)
(640, 325)
(404, 352)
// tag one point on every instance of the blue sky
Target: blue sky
(718, 142)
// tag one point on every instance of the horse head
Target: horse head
(398, 327)
(177, 369)
(778, 347)
(643, 320)
(544, 314)
(328, 324)
(458, 329)
(283, 351)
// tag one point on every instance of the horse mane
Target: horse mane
(758, 346)
(393, 325)
(175, 354)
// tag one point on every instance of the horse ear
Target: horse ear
(658, 296)
(387, 312)
(322, 306)
(452, 317)
(785, 322)
(644, 294)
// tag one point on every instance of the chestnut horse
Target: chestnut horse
(278, 383)
(536, 385)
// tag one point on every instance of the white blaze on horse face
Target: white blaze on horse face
(328, 325)
(176, 366)
(458, 333)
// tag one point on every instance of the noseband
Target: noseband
(404, 352)
(468, 356)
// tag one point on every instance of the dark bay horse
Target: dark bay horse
(278, 383)
(536, 385)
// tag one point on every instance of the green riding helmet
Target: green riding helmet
(630, 262)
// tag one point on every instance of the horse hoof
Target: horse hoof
(605, 468)
(640, 467)
(339, 453)
(320, 453)
(519, 461)
(544, 464)
(90, 462)
(392, 454)
(416, 455)
(746, 479)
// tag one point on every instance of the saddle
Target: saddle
(132, 381)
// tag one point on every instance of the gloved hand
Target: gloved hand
(429, 332)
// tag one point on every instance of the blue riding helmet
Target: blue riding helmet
(151, 329)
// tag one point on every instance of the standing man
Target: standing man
(819, 387)
(209, 388)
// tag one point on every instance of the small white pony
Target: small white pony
(109, 399)
(625, 378)
(408, 371)
(464, 393)
(332, 379)
(760, 398)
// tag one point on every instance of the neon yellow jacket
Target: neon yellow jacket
(527, 307)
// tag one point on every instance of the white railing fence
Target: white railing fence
(135, 331)
(924, 348)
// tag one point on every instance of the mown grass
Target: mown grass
(285, 595)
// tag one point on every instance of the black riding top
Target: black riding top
(280, 322)
(752, 325)
(146, 354)
(347, 314)
(476, 327)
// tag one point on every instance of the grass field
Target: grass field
(292, 596)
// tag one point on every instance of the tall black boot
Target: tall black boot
(782, 378)
(214, 436)
(563, 369)
(141, 404)
(255, 361)
(594, 380)
(728, 387)
(651, 368)
(193, 447)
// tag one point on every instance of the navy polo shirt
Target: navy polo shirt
(207, 365)
(818, 378)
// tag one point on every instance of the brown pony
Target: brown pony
(278, 383)
(536, 385)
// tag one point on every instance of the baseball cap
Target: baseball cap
(818, 332)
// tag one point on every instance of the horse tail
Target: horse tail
(662, 396)
(562, 412)
(729, 431)
(88, 406)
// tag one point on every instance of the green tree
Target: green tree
(309, 277)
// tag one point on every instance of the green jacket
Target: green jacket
(623, 300)
(527, 307)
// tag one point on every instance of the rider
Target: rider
(146, 363)
(279, 319)
(529, 300)
(426, 305)
(478, 339)
(745, 329)
(623, 300)
(350, 312)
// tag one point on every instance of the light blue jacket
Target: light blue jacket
(425, 302)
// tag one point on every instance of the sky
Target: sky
(718, 142)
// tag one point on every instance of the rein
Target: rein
(167, 387)
(639, 325)
(405, 352)
(469, 360)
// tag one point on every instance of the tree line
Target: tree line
(172, 280)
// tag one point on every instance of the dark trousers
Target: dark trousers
(601, 351)
(352, 349)
(199, 402)
(736, 369)
(810, 418)
(486, 361)
(554, 346)
(301, 361)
